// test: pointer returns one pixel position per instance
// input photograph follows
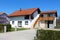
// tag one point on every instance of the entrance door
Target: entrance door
(50, 24)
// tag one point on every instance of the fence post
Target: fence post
(5, 29)
(15, 28)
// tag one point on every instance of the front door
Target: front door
(50, 24)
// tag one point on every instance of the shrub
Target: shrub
(47, 35)
(2, 27)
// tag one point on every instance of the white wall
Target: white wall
(42, 24)
(21, 18)
(54, 22)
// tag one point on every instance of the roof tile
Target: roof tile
(23, 12)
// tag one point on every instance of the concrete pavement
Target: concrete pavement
(18, 35)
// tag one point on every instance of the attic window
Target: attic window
(27, 17)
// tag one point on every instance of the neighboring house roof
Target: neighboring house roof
(2, 13)
(4, 18)
(49, 12)
(23, 12)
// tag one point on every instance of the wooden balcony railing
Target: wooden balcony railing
(46, 18)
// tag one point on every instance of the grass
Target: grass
(18, 29)
(13, 29)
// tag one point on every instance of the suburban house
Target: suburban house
(33, 18)
(4, 19)
(46, 19)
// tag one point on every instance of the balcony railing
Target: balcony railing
(46, 18)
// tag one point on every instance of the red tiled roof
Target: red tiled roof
(23, 12)
(49, 12)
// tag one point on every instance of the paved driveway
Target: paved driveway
(18, 35)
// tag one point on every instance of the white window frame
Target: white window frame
(20, 23)
(12, 22)
(26, 22)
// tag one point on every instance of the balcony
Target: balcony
(46, 18)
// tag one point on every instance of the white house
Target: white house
(31, 18)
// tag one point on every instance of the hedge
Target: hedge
(2, 27)
(47, 35)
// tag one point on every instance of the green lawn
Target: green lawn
(18, 29)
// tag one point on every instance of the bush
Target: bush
(2, 27)
(47, 35)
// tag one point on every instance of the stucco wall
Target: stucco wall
(42, 24)
(16, 19)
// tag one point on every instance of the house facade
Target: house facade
(4, 19)
(23, 18)
(33, 18)
(47, 19)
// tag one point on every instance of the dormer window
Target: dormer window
(27, 17)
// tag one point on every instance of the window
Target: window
(45, 15)
(12, 22)
(50, 15)
(27, 17)
(50, 22)
(41, 15)
(20, 23)
(32, 17)
(26, 22)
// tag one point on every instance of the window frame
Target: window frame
(41, 15)
(50, 22)
(26, 17)
(12, 22)
(20, 23)
(50, 15)
(26, 22)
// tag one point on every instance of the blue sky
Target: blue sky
(9, 6)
